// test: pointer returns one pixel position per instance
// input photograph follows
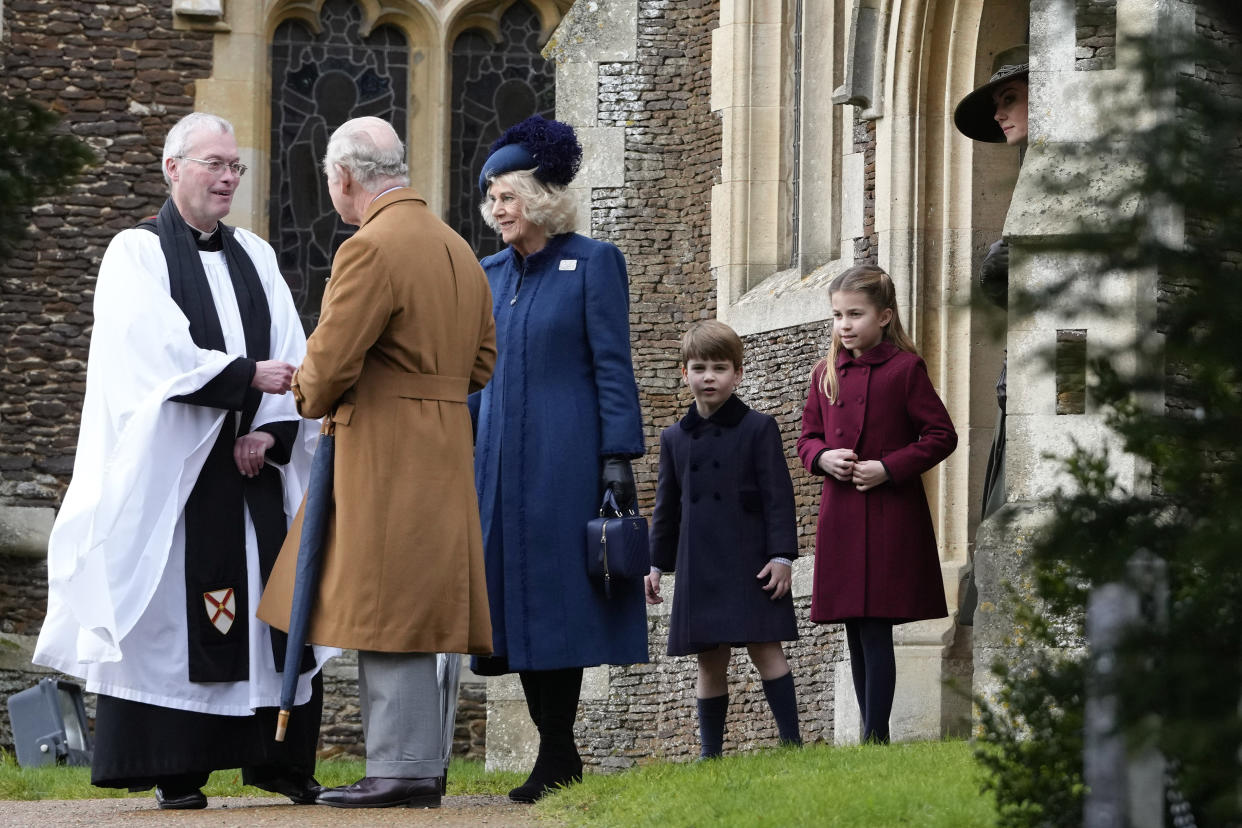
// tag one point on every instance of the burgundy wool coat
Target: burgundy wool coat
(875, 551)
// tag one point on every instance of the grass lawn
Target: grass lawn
(921, 784)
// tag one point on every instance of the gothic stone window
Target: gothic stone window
(319, 81)
(494, 85)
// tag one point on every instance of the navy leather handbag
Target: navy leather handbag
(616, 544)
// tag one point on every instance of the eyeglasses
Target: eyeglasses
(215, 166)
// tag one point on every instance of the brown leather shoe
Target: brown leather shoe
(180, 801)
(383, 792)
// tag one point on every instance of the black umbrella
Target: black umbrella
(306, 582)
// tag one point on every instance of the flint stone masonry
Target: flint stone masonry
(660, 218)
(1096, 46)
(120, 77)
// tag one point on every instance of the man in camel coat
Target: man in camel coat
(405, 333)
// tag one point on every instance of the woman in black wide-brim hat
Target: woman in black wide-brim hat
(995, 113)
(557, 425)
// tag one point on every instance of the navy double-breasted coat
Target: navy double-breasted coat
(875, 551)
(563, 396)
(724, 507)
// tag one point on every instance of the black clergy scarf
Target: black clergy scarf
(215, 541)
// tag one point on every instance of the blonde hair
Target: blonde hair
(549, 206)
(711, 340)
(877, 286)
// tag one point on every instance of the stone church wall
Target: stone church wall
(661, 221)
(120, 77)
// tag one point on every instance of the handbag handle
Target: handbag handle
(609, 504)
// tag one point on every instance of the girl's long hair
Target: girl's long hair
(873, 283)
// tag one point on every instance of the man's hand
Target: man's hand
(868, 474)
(271, 376)
(250, 451)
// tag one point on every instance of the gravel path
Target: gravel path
(243, 812)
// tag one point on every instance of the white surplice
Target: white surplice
(116, 562)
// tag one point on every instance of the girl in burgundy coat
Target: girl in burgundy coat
(872, 425)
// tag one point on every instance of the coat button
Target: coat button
(716, 495)
(840, 403)
(694, 498)
(694, 467)
(840, 432)
(842, 372)
(861, 399)
(715, 464)
(696, 435)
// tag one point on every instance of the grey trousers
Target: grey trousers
(402, 721)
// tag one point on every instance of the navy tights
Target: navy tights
(875, 673)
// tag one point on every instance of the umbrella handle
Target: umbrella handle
(282, 724)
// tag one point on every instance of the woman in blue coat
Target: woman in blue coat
(558, 424)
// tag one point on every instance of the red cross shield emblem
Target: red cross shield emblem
(221, 608)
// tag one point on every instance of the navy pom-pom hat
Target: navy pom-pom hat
(549, 148)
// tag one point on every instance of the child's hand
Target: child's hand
(780, 577)
(868, 474)
(651, 585)
(838, 463)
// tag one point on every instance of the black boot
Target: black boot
(558, 763)
(712, 714)
(783, 700)
(532, 688)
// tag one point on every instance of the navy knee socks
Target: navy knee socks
(783, 700)
(712, 713)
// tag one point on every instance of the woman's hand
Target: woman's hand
(651, 585)
(868, 474)
(250, 452)
(838, 463)
(780, 577)
(619, 476)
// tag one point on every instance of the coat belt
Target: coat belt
(414, 386)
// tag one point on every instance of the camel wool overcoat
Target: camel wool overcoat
(875, 551)
(405, 334)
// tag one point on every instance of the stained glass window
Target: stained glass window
(318, 83)
(495, 85)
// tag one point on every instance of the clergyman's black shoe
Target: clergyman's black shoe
(382, 792)
(180, 801)
(302, 790)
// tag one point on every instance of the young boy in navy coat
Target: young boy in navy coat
(724, 520)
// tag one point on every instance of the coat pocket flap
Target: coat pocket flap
(343, 413)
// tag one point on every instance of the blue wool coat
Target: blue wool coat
(563, 396)
(875, 551)
(724, 507)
